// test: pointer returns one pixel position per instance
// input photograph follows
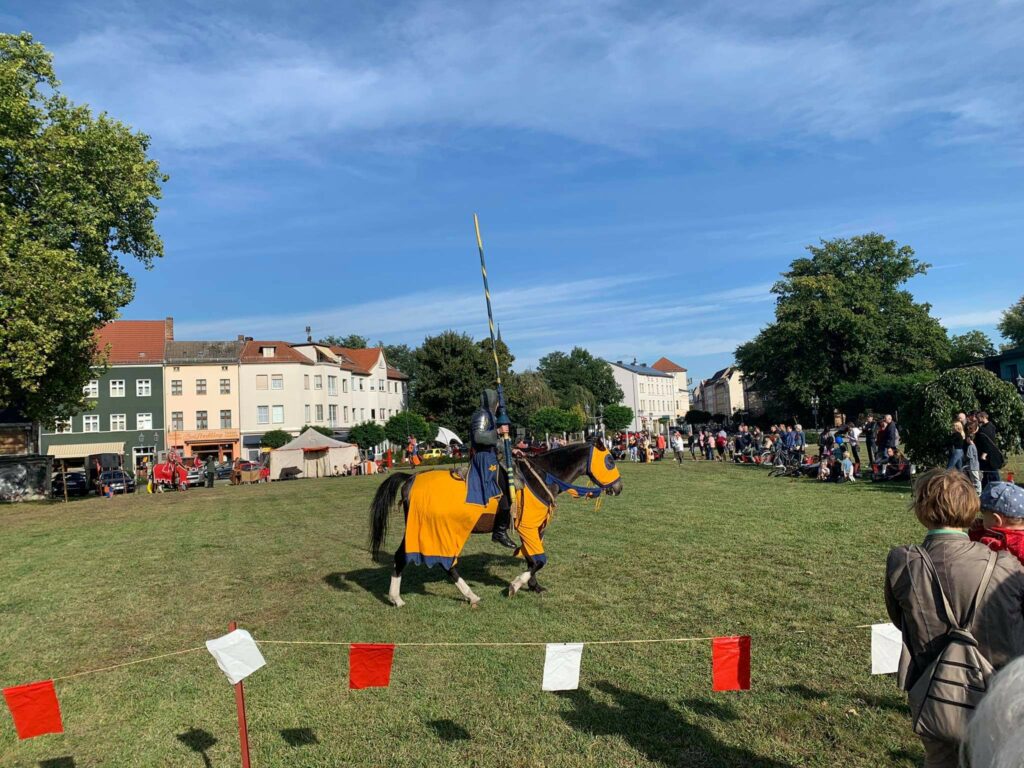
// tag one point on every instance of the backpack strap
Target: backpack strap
(966, 624)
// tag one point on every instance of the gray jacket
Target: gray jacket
(915, 607)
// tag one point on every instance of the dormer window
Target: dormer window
(266, 351)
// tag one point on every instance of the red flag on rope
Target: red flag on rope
(35, 709)
(730, 664)
(369, 665)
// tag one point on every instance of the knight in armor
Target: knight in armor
(484, 469)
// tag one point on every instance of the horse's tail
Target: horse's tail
(380, 509)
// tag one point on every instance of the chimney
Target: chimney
(241, 337)
(169, 329)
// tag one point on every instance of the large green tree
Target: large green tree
(617, 417)
(366, 434)
(453, 371)
(1012, 323)
(405, 423)
(969, 347)
(275, 438)
(526, 393)
(77, 193)
(352, 341)
(928, 414)
(569, 374)
(842, 315)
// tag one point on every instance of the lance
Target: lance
(502, 418)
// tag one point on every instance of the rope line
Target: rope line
(520, 644)
(130, 663)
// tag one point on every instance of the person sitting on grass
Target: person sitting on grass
(1002, 519)
(824, 471)
(948, 561)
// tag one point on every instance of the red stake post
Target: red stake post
(243, 726)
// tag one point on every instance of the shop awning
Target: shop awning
(82, 450)
(252, 441)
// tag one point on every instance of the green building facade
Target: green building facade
(124, 414)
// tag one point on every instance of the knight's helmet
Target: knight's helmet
(489, 401)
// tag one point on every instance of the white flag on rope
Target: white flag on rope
(236, 654)
(886, 647)
(562, 666)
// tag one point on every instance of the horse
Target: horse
(443, 520)
(163, 474)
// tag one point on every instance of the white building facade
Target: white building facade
(650, 393)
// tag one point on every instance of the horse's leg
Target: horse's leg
(394, 592)
(532, 582)
(463, 587)
(522, 579)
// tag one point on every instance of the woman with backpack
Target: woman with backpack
(959, 606)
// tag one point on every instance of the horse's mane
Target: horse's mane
(558, 459)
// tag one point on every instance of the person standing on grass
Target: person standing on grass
(949, 562)
(956, 446)
(972, 465)
(990, 456)
(869, 431)
(677, 447)
(211, 471)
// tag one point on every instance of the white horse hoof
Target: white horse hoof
(512, 589)
(474, 604)
(396, 601)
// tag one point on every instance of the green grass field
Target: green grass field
(696, 551)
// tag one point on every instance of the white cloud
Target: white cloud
(597, 72)
(971, 319)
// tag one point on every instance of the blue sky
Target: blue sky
(642, 171)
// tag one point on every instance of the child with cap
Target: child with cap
(1002, 519)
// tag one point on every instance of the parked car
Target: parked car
(432, 453)
(119, 481)
(223, 471)
(78, 484)
(196, 476)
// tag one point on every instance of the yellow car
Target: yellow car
(432, 453)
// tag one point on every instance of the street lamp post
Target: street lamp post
(814, 409)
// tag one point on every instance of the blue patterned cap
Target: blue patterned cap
(1006, 499)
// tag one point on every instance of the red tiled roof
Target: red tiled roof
(365, 359)
(283, 353)
(394, 373)
(667, 366)
(132, 341)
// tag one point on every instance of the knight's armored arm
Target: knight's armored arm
(484, 431)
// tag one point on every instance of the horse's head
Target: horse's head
(601, 468)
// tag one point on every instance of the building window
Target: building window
(362, 413)
(319, 413)
(380, 384)
(332, 415)
(266, 351)
(344, 385)
(318, 382)
(177, 421)
(200, 386)
(92, 389)
(117, 387)
(143, 420)
(277, 381)
(345, 414)
(261, 381)
(262, 414)
(332, 385)
(225, 386)
(202, 422)
(225, 419)
(373, 413)
(143, 387)
(278, 414)
(118, 422)
(306, 413)
(360, 385)
(175, 386)
(91, 423)
(305, 381)
(62, 427)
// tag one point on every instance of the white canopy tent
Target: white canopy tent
(446, 436)
(312, 454)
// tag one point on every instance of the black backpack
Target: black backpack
(945, 696)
